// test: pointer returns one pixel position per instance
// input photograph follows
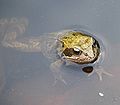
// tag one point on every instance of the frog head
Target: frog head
(79, 47)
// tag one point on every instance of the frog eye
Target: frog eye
(70, 51)
(77, 51)
(87, 69)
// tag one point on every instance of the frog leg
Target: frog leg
(68, 63)
(55, 68)
(11, 33)
(11, 29)
(100, 71)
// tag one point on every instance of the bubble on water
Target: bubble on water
(101, 94)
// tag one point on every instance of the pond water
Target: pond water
(25, 78)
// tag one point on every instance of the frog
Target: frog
(73, 46)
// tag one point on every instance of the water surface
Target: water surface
(25, 78)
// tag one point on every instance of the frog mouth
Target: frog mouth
(81, 59)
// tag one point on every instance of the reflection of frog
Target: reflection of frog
(67, 46)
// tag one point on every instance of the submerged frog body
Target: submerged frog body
(69, 46)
